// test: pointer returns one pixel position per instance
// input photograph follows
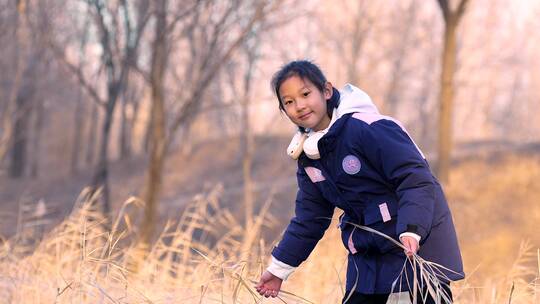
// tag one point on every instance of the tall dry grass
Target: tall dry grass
(494, 200)
(199, 258)
(85, 259)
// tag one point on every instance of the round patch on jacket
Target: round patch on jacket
(351, 164)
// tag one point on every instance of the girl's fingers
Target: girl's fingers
(269, 293)
(411, 245)
(409, 248)
(263, 290)
(260, 287)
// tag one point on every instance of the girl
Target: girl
(352, 157)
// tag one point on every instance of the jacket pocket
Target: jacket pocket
(356, 240)
(353, 238)
(382, 217)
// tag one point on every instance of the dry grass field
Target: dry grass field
(207, 255)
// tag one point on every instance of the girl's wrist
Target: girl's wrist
(280, 269)
(410, 234)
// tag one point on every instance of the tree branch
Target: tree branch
(75, 70)
(190, 105)
(445, 9)
(172, 25)
(461, 9)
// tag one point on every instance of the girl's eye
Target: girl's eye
(287, 102)
(306, 94)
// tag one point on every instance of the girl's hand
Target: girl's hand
(269, 285)
(411, 244)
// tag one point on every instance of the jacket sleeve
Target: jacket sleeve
(313, 215)
(392, 152)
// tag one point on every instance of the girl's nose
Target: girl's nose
(300, 104)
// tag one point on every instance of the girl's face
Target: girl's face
(304, 104)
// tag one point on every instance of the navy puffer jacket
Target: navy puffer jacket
(372, 170)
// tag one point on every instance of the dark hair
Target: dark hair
(306, 70)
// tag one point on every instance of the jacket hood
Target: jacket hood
(351, 100)
(355, 100)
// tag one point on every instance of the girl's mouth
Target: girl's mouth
(305, 116)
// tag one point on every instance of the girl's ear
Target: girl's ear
(328, 90)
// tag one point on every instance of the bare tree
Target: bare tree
(79, 106)
(207, 33)
(451, 18)
(251, 53)
(398, 54)
(425, 123)
(13, 137)
(91, 131)
(118, 57)
(130, 104)
(18, 151)
(157, 139)
(240, 73)
(77, 133)
(349, 38)
(25, 62)
(36, 148)
(361, 28)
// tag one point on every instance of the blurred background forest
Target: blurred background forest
(170, 102)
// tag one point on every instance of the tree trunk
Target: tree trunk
(451, 21)
(134, 121)
(125, 142)
(20, 137)
(101, 176)
(425, 119)
(356, 47)
(157, 140)
(247, 161)
(10, 115)
(77, 133)
(92, 126)
(248, 139)
(389, 105)
(446, 99)
(36, 143)
(247, 164)
(362, 26)
(5, 134)
(148, 134)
